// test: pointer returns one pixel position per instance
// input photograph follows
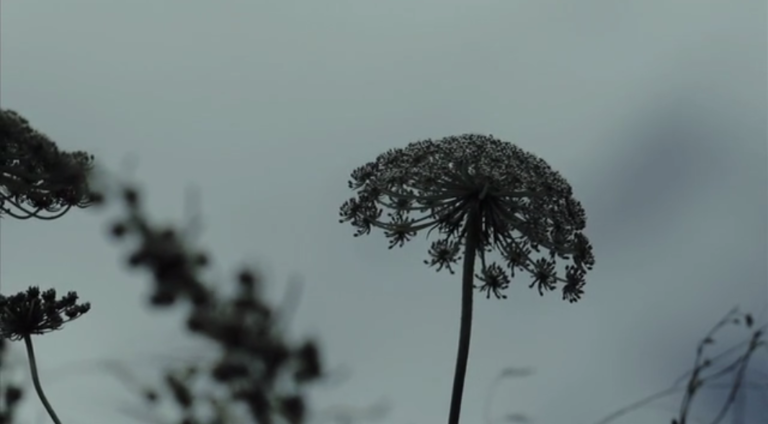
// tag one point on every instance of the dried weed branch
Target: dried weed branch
(708, 369)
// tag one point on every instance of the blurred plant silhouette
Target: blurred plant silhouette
(12, 393)
(257, 366)
(482, 195)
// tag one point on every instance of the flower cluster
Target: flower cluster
(520, 204)
(35, 312)
(37, 179)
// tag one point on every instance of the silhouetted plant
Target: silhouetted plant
(33, 313)
(482, 195)
(707, 369)
(257, 366)
(37, 180)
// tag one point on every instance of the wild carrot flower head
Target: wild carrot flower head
(37, 179)
(32, 312)
(522, 206)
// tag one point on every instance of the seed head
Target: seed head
(37, 179)
(523, 206)
(32, 312)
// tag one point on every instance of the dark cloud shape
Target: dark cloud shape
(672, 156)
(751, 405)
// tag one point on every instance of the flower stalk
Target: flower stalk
(36, 380)
(465, 330)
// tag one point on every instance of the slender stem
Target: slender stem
(465, 330)
(36, 379)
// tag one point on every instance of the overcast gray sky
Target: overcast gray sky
(655, 111)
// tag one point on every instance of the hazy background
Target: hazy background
(655, 111)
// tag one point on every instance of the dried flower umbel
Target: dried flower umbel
(481, 195)
(37, 180)
(33, 312)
